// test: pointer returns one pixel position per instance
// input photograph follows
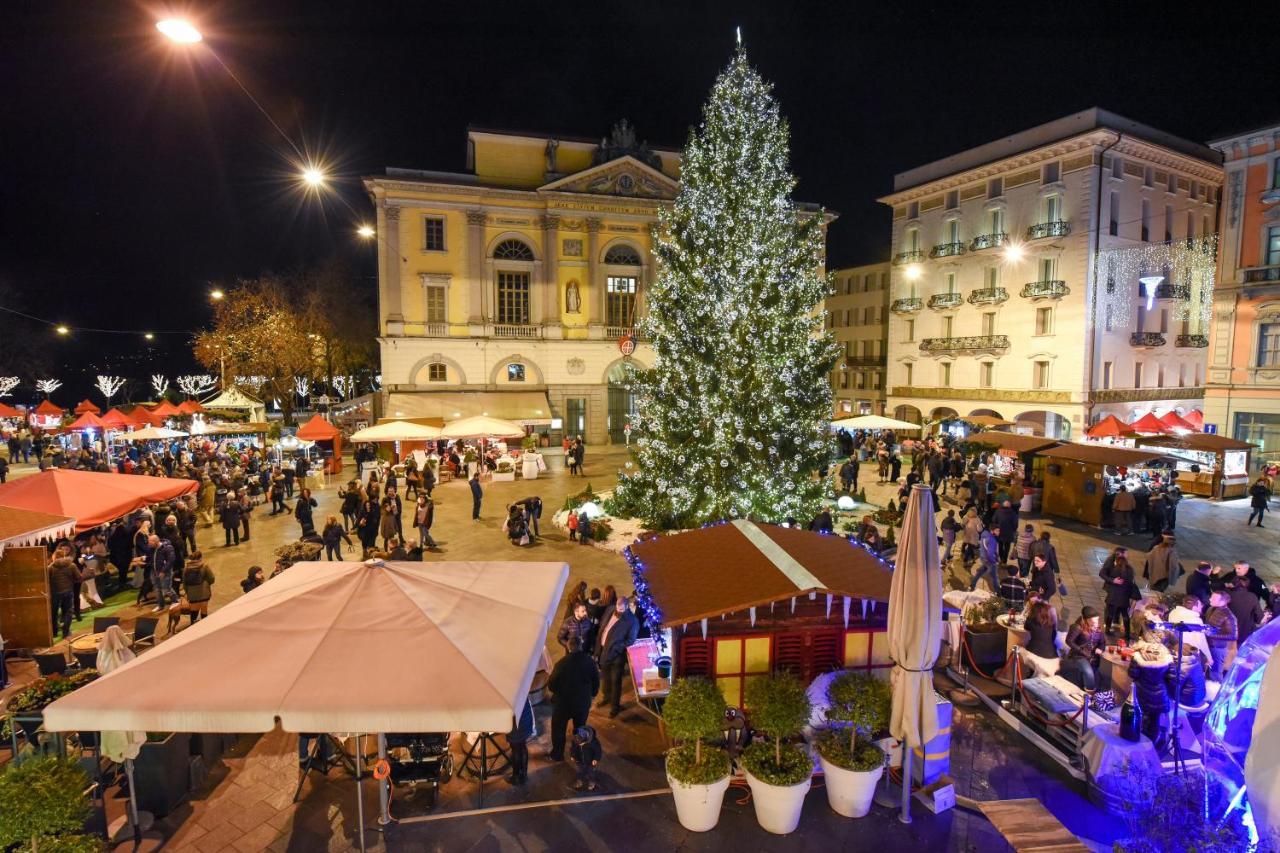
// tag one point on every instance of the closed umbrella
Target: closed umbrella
(397, 431)
(482, 426)
(122, 747)
(915, 633)
(873, 422)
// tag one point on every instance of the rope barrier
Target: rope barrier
(1017, 683)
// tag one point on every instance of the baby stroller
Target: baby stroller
(516, 527)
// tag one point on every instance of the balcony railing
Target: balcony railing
(1044, 290)
(1172, 291)
(970, 344)
(1147, 339)
(1254, 275)
(1041, 230)
(908, 257)
(988, 241)
(1191, 341)
(866, 361)
(518, 331)
(988, 296)
(909, 305)
(943, 301)
(946, 250)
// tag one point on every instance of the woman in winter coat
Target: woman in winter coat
(302, 511)
(252, 579)
(387, 526)
(197, 579)
(350, 504)
(367, 523)
(1119, 589)
(333, 535)
(973, 528)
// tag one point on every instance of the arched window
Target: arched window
(513, 250)
(437, 372)
(622, 255)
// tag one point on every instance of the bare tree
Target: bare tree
(47, 386)
(160, 384)
(196, 384)
(7, 384)
(108, 386)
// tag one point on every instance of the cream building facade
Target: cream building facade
(858, 318)
(513, 288)
(1015, 270)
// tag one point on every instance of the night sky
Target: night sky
(135, 172)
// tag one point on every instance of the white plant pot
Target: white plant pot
(698, 806)
(849, 792)
(778, 807)
(499, 477)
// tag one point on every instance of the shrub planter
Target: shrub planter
(778, 807)
(698, 806)
(162, 773)
(986, 647)
(849, 792)
(504, 476)
(208, 746)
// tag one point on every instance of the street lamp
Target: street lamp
(149, 336)
(62, 330)
(914, 271)
(1013, 252)
(216, 294)
(366, 231)
(313, 176)
(180, 31)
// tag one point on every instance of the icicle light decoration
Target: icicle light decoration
(1184, 264)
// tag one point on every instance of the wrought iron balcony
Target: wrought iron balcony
(908, 257)
(988, 241)
(1254, 275)
(988, 296)
(1147, 340)
(866, 361)
(1191, 341)
(946, 250)
(1172, 291)
(909, 305)
(1041, 230)
(943, 301)
(970, 344)
(1044, 290)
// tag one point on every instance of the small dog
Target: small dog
(176, 611)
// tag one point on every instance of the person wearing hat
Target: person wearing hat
(586, 754)
(1085, 642)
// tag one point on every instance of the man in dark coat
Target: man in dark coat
(63, 577)
(476, 494)
(1199, 583)
(1006, 519)
(231, 519)
(574, 682)
(618, 630)
(1245, 607)
(1259, 495)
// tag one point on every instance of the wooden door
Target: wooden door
(25, 618)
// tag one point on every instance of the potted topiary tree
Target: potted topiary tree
(43, 806)
(779, 774)
(859, 705)
(985, 639)
(505, 471)
(698, 774)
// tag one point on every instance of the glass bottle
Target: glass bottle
(1131, 716)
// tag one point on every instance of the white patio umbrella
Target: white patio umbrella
(915, 633)
(122, 747)
(482, 426)
(397, 431)
(873, 422)
(152, 433)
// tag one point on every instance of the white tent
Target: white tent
(151, 433)
(397, 431)
(236, 400)
(482, 426)
(341, 647)
(873, 422)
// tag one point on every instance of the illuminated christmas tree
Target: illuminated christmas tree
(732, 421)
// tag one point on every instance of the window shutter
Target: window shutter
(788, 653)
(695, 656)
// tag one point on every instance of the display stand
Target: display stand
(480, 763)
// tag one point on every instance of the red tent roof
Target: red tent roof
(116, 419)
(7, 411)
(1149, 423)
(87, 421)
(1109, 427)
(1173, 420)
(47, 407)
(190, 407)
(142, 417)
(166, 409)
(317, 429)
(87, 405)
(1195, 417)
(90, 497)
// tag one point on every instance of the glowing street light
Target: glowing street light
(216, 294)
(313, 176)
(62, 330)
(180, 31)
(1013, 252)
(913, 271)
(149, 336)
(366, 231)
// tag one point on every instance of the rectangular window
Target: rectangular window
(844, 379)
(1108, 374)
(1173, 183)
(1040, 379)
(986, 374)
(1275, 174)
(513, 298)
(875, 381)
(953, 200)
(620, 303)
(1160, 376)
(997, 221)
(1182, 376)
(913, 210)
(1273, 246)
(1269, 345)
(862, 380)
(910, 369)
(988, 323)
(947, 326)
(1114, 228)
(1052, 208)
(1048, 269)
(951, 282)
(737, 661)
(1191, 225)
(911, 330)
(433, 297)
(1137, 374)
(913, 239)
(1148, 175)
(1117, 167)
(991, 277)
(1146, 221)
(437, 372)
(1164, 320)
(953, 231)
(1206, 226)
(995, 188)
(1044, 321)
(515, 372)
(1051, 172)
(944, 374)
(433, 233)
(1168, 223)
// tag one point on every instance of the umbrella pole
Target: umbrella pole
(133, 803)
(360, 790)
(905, 817)
(384, 786)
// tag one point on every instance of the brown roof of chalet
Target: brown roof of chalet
(1012, 441)
(16, 521)
(1102, 454)
(704, 573)
(1201, 441)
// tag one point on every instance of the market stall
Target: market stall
(1109, 429)
(738, 599)
(90, 497)
(874, 422)
(1211, 465)
(24, 576)
(328, 438)
(1149, 424)
(46, 415)
(1015, 460)
(87, 406)
(236, 401)
(1079, 479)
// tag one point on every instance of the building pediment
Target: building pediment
(625, 176)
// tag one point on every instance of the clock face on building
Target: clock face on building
(626, 345)
(626, 184)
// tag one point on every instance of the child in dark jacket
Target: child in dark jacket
(586, 754)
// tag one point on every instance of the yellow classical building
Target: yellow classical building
(512, 289)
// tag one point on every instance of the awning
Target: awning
(90, 497)
(21, 527)
(522, 407)
(1202, 441)
(1016, 442)
(1103, 454)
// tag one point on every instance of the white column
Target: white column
(394, 286)
(476, 282)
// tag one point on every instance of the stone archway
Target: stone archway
(991, 413)
(942, 413)
(908, 413)
(1045, 423)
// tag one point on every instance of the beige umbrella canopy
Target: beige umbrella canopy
(873, 422)
(150, 433)
(341, 647)
(397, 431)
(915, 630)
(482, 426)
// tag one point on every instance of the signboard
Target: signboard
(1006, 452)
(1211, 429)
(626, 344)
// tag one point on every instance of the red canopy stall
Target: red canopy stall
(1150, 425)
(47, 415)
(90, 497)
(328, 437)
(166, 410)
(1109, 427)
(7, 411)
(190, 407)
(87, 405)
(1175, 422)
(117, 420)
